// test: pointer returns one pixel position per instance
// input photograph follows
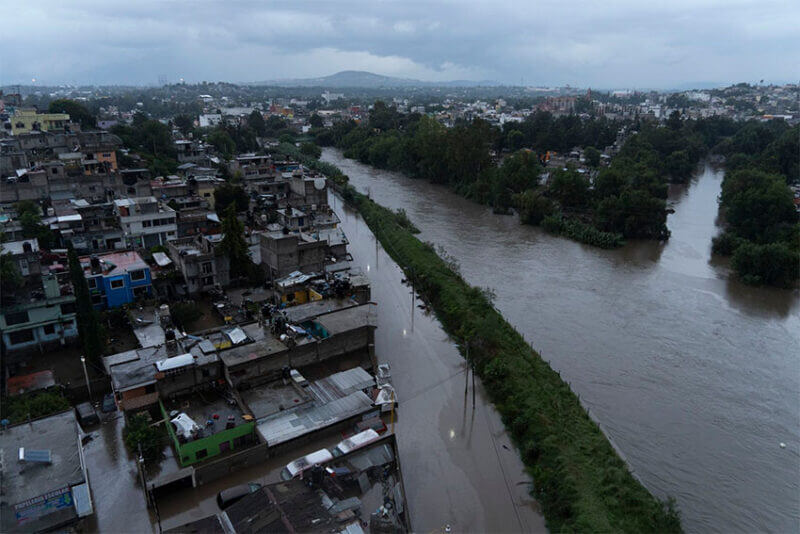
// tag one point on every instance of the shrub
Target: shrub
(34, 405)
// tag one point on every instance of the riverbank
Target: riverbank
(677, 361)
(579, 480)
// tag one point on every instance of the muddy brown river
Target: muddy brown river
(693, 376)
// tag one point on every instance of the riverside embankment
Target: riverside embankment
(693, 375)
(579, 480)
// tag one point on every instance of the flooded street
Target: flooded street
(695, 377)
(459, 465)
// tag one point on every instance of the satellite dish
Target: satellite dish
(319, 184)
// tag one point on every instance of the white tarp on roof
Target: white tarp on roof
(293, 278)
(236, 335)
(162, 260)
(175, 362)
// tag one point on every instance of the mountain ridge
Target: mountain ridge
(368, 80)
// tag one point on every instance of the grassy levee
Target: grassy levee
(580, 482)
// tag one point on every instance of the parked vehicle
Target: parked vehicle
(355, 442)
(297, 467)
(229, 496)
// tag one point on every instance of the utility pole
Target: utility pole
(466, 376)
(86, 375)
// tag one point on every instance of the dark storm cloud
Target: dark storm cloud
(629, 43)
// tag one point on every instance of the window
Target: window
(54, 170)
(17, 318)
(49, 329)
(20, 336)
(97, 299)
(116, 284)
(68, 308)
(208, 281)
(202, 453)
(146, 224)
(137, 275)
(150, 389)
(106, 155)
(92, 282)
(207, 267)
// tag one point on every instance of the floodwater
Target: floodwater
(458, 463)
(692, 375)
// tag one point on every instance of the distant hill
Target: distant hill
(367, 80)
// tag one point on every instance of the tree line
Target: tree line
(762, 233)
(502, 166)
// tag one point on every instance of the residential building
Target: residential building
(24, 254)
(45, 480)
(284, 252)
(39, 315)
(146, 222)
(198, 261)
(29, 120)
(116, 278)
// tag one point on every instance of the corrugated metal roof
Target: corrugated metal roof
(290, 424)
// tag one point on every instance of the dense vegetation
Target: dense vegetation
(762, 234)
(152, 140)
(625, 200)
(33, 405)
(579, 480)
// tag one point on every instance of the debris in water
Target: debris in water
(783, 445)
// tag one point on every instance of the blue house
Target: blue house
(117, 278)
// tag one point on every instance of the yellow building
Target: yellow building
(28, 120)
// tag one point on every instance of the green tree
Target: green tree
(592, 156)
(256, 121)
(184, 123)
(229, 194)
(222, 141)
(310, 149)
(534, 206)
(758, 205)
(316, 121)
(10, 277)
(233, 244)
(32, 227)
(570, 188)
(772, 264)
(516, 140)
(90, 329)
(77, 112)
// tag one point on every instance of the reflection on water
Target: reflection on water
(693, 375)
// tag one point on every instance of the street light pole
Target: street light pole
(86, 375)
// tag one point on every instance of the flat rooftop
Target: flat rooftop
(114, 263)
(348, 319)
(209, 409)
(22, 481)
(274, 397)
(310, 310)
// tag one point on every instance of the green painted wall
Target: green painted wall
(187, 452)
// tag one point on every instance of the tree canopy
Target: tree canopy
(77, 112)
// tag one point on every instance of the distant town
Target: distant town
(181, 304)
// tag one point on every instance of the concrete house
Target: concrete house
(199, 263)
(146, 222)
(35, 318)
(116, 278)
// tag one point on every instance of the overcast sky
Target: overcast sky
(628, 43)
